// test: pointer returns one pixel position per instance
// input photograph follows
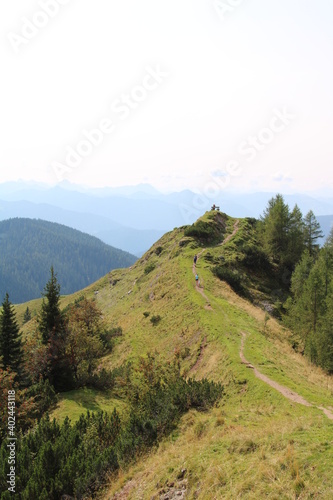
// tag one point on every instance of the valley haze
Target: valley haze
(132, 218)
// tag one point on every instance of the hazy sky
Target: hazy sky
(185, 93)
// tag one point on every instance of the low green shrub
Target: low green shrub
(233, 279)
(155, 319)
(107, 337)
(255, 258)
(55, 460)
(200, 230)
(44, 396)
(149, 268)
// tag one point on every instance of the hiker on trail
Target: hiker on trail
(197, 280)
(195, 259)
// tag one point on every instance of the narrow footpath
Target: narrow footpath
(199, 286)
(287, 393)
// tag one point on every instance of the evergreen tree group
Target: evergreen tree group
(57, 460)
(311, 304)
(291, 241)
(51, 326)
(69, 342)
(286, 234)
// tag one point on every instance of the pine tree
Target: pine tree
(314, 311)
(52, 329)
(50, 319)
(309, 308)
(325, 339)
(296, 245)
(276, 224)
(10, 337)
(297, 305)
(312, 232)
(27, 315)
(84, 328)
(301, 274)
(326, 261)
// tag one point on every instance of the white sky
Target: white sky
(227, 76)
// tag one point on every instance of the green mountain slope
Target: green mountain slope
(28, 248)
(271, 435)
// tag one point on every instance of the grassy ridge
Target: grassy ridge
(256, 443)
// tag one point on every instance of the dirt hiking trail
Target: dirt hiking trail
(228, 238)
(199, 287)
(287, 393)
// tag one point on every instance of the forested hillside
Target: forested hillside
(28, 248)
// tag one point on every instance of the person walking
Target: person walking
(195, 259)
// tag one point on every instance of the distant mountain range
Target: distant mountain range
(30, 247)
(134, 217)
(129, 239)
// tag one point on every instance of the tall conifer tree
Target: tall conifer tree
(276, 223)
(50, 320)
(10, 337)
(52, 327)
(312, 231)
